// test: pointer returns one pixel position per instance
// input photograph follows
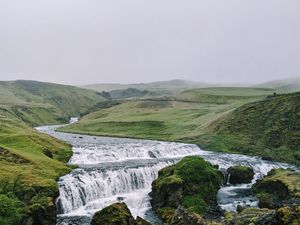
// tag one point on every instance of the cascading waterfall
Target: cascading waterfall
(120, 169)
(84, 186)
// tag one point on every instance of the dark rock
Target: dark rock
(116, 214)
(48, 153)
(183, 217)
(240, 174)
(279, 188)
(252, 216)
(239, 208)
(141, 221)
(192, 183)
(151, 154)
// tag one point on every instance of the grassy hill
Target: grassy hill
(283, 86)
(270, 128)
(159, 86)
(45, 103)
(31, 162)
(183, 117)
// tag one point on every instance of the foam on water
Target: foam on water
(121, 169)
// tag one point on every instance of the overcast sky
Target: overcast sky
(124, 41)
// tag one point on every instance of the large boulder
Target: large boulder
(279, 188)
(240, 174)
(192, 183)
(251, 216)
(116, 214)
(282, 216)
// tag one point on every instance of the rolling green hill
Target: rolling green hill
(31, 162)
(45, 103)
(159, 86)
(283, 86)
(269, 128)
(178, 118)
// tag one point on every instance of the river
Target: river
(121, 169)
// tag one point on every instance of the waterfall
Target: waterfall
(120, 169)
(93, 153)
(84, 186)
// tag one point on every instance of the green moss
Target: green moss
(278, 187)
(192, 182)
(11, 210)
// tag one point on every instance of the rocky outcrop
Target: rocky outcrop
(116, 214)
(281, 216)
(279, 188)
(183, 217)
(251, 216)
(192, 183)
(240, 174)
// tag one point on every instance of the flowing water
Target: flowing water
(120, 169)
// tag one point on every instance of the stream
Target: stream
(121, 169)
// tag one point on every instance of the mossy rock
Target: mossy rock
(116, 214)
(251, 216)
(192, 183)
(280, 187)
(240, 174)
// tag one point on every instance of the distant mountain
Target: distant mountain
(285, 85)
(154, 86)
(39, 103)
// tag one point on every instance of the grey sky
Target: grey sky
(92, 41)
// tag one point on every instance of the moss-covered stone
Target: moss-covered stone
(240, 174)
(251, 216)
(281, 216)
(116, 214)
(280, 187)
(192, 183)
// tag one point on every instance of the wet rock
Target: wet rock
(151, 154)
(240, 174)
(116, 214)
(279, 188)
(183, 217)
(192, 183)
(252, 216)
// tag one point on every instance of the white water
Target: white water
(115, 169)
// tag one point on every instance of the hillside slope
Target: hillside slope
(177, 118)
(30, 164)
(45, 103)
(283, 86)
(269, 128)
(164, 86)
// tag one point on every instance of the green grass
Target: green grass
(230, 119)
(32, 160)
(269, 128)
(180, 118)
(23, 158)
(45, 103)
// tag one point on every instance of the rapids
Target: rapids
(120, 169)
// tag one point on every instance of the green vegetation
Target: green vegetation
(116, 214)
(31, 162)
(192, 183)
(283, 86)
(44, 103)
(249, 121)
(167, 118)
(160, 86)
(278, 188)
(240, 174)
(269, 128)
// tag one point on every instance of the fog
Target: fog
(128, 41)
